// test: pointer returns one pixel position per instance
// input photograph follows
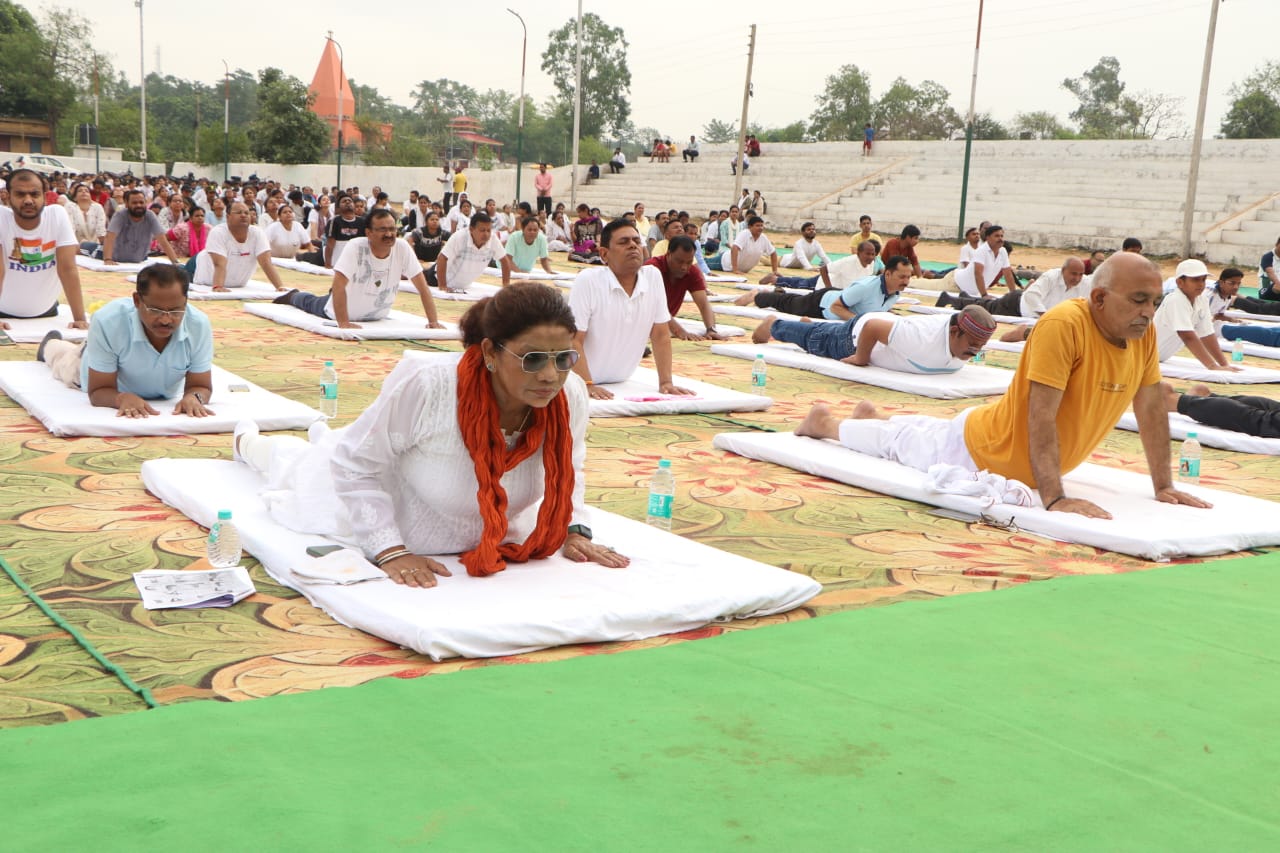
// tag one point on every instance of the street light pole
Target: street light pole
(577, 114)
(342, 82)
(524, 46)
(226, 122)
(1197, 137)
(142, 71)
(968, 126)
(97, 142)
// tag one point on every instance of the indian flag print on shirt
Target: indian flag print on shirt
(32, 252)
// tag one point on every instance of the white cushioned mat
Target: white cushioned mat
(88, 263)
(33, 329)
(474, 292)
(697, 327)
(301, 266)
(1257, 350)
(252, 290)
(1233, 314)
(397, 325)
(66, 411)
(1141, 526)
(639, 395)
(1226, 439)
(972, 380)
(1181, 367)
(760, 313)
(999, 318)
(672, 584)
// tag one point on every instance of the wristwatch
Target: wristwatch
(581, 530)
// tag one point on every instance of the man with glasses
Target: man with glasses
(234, 248)
(366, 278)
(141, 349)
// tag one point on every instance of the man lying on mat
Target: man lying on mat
(1259, 416)
(139, 349)
(506, 425)
(933, 343)
(42, 251)
(1086, 362)
(874, 293)
(839, 274)
(366, 277)
(617, 308)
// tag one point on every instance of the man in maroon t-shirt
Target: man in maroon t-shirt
(905, 245)
(680, 275)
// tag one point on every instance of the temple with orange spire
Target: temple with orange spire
(333, 96)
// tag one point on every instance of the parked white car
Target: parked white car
(41, 163)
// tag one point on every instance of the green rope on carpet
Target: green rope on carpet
(110, 667)
(417, 343)
(736, 422)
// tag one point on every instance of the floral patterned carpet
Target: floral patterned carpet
(75, 522)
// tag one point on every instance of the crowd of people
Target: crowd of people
(533, 359)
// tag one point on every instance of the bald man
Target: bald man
(1054, 286)
(1087, 361)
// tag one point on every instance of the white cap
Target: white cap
(1191, 268)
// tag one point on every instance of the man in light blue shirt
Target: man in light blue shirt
(148, 347)
(873, 293)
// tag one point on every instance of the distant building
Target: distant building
(25, 136)
(332, 93)
(469, 130)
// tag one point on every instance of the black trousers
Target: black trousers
(1010, 305)
(544, 203)
(1251, 305)
(1258, 416)
(800, 304)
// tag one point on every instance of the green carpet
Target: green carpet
(1121, 712)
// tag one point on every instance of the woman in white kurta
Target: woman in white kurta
(404, 480)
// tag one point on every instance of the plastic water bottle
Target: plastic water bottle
(1189, 460)
(1237, 351)
(662, 490)
(758, 372)
(223, 549)
(329, 391)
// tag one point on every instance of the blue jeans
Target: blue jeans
(829, 340)
(797, 282)
(1268, 336)
(310, 303)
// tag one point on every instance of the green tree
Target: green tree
(213, 143)
(844, 107)
(794, 132)
(34, 82)
(1254, 115)
(1039, 125)
(985, 126)
(606, 78)
(716, 132)
(286, 131)
(916, 112)
(1104, 111)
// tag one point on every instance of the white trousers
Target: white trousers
(917, 441)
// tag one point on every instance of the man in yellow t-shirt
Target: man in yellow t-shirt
(1085, 363)
(459, 182)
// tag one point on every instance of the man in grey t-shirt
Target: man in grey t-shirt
(131, 231)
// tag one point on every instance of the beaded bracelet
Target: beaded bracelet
(394, 555)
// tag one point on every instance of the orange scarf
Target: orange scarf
(549, 430)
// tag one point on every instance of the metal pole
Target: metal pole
(197, 125)
(226, 122)
(968, 126)
(142, 71)
(1197, 138)
(577, 117)
(342, 82)
(524, 47)
(742, 127)
(97, 142)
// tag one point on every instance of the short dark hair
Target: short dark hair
(681, 244)
(752, 220)
(1131, 243)
(896, 261)
(516, 308)
(910, 231)
(128, 194)
(1230, 272)
(527, 221)
(29, 173)
(862, 217)
(481, 218)
(606, 236)
(806, 225)
(377, 213)
(161, 275)
(991, 229)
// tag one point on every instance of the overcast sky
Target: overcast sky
(689, 66)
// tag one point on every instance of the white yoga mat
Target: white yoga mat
(672, 584)
(494, 272)
(1180, 367)
(253, 290)
(1233, 314)
(94, 264)
(66, 411)
(398, 325)
(474, 292)
(723, 278)
(1257, 350)
(999, 318)
(1226, 439)
(301, 266)
(639, 395)
(33, 329)
(697, 327)
(761, 313)
(972, 380)
(1141, 526)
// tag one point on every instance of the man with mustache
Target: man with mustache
(41, 248)
(1085, 363)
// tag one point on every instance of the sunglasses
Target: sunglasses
(533, 362)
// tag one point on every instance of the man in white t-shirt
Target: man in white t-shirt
(617, 309)
(990, 262)
(234, 248)
(286, 236)
(1184, 319)
(467, 254)
(367, 276)
(807, 253)
(41, 250)
(839, 274)
(748, 249)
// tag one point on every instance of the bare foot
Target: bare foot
(819, 423)
(747, 298)
(761, 334)
(1170, 396)
(1200, 391)
(864, 411)
(769, 278)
